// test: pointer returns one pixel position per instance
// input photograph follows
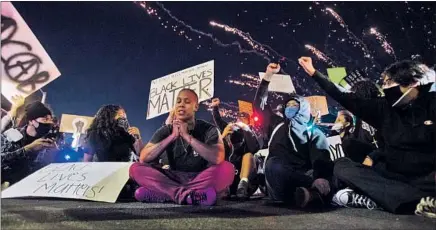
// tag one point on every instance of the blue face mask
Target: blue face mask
(290, 112)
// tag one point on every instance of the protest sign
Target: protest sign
(318, 104)
(335, 147)
(246, 107)
(74, 123)
(337, 75)
(280, 83)
(96, 181)
(164, 90)
(25, 65)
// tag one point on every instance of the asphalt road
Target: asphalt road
(255, 214)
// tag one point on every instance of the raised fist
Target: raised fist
(306, 63)
(215, 102)
(272, 69)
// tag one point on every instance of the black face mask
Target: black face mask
(123, 123)
(393, 94)
(43, 129)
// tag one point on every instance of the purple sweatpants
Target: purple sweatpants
(177, 185)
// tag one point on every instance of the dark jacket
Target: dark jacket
(16, 163)
(238, 143)
(408, 133)
(294, 142)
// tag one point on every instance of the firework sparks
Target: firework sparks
(320, 55)
(359, 42)
(384, 43)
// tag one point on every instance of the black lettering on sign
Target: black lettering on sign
(22, 67)
(336, 151)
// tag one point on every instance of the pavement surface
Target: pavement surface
(255, 214)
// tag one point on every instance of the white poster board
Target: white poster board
(96, 181)
(25, 65)
(75, 123)
(164, 90)
(280, 83)
(335, 147)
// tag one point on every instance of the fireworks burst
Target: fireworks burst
(384, 43)
(320, 55)
(351, 35)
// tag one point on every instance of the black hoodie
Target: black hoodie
(408, 132)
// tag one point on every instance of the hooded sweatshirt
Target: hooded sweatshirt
(408, 132)
(292, 140)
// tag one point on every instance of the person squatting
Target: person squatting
(388, 138)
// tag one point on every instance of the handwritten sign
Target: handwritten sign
(96, 181)
(75, 123)
(335, 147)
(25, 65)
(164, 90)
(280, 83)
(318, 103)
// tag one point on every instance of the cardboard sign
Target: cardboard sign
(337, 75)
(318, 103)
(96, 181)
(164, 90)
(25, 65)
(74, 123)
(246, 107)
(280, 83)
(335, 147)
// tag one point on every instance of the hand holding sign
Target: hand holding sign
(306, 63)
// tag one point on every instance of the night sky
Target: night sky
(108, 52)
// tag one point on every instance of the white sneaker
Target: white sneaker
(348, 198)
(427, 207)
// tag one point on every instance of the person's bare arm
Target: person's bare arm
(152, 150)
(214, 154)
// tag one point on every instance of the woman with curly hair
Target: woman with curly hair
(110, 137)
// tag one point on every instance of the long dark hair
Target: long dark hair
(104, 128)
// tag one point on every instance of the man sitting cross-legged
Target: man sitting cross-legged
(194, 152)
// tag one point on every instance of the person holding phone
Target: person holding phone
(240, 144)
(20, 148)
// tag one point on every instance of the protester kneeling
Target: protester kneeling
(194, 153)
(298, 167)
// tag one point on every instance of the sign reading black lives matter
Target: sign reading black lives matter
(97, 181)
(164, 90)
(25, 65)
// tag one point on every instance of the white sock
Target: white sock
(244, 179)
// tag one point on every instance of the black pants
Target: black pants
(282, 180)
(393, 192)
(253, 179)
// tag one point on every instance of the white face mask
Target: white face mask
(338, 127)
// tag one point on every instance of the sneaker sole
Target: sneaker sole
(301, 197)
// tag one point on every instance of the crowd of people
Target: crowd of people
(388, 137)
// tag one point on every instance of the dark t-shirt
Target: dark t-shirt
(179, 155)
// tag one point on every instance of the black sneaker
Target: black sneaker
(427, 207)
(348, 198)
(242, 191)
(304, 197)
